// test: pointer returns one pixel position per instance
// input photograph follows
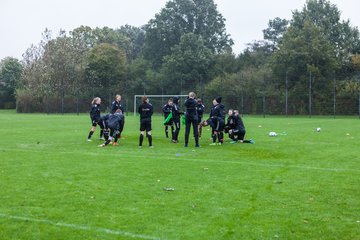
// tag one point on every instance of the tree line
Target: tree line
(307, 64)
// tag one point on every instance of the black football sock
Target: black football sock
(141, 138)
(107, 142)
(90, 134)
(101, 133)
(106, 135)
(221, 137)
(214, 138)
(150, 139)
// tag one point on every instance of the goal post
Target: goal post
(154, 96)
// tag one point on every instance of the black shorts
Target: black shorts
(145, 124)
(219, 125)
(94, 122)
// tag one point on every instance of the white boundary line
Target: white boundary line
(79, 227)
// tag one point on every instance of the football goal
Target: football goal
(158, 101)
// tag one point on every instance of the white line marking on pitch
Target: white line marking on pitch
(79, 227)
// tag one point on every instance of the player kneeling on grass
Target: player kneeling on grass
(145, 110)
(114, 123)
(237, 134)
(231, 124)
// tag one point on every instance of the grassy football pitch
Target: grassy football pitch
(301, 184)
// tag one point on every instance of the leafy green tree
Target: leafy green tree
(325, 16)
(188, 65)
(114, 37)
(137, 38)
(315, 43)
(83, 41)
(106, 70)
(178, 18)
(304, 52)
(275, 31)
(10, 77)
(59, 60)
(225, 63)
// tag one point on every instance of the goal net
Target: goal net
(158, 101)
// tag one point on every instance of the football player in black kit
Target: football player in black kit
(113, 123)
(231, 124)
(217, 115)
(167, 109)
(239, 131)
(191, 118)
(145, 110)
(115, 105)
(95, 116)
(176, 119)
(200, 108)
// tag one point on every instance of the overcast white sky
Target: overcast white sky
(23, 21)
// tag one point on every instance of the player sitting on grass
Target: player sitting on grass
(114, 123)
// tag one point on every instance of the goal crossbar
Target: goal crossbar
(136, 96)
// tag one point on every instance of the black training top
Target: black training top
(200, 108)
(167, 110)
(240, 124)
(232, 121)
(190, 105)
(115, 106)
(218, 111)
(145, 110)
(114, 121)
(95, 112)
(176, 112)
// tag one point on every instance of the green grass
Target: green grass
(298, 185)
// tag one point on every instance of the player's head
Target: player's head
(96, 100)
(236, 112)
(218, 99)
(118, 97)
(176, 100)
(230, 112)
(170, 101)
(199, 101)
(145, 99)
(192, 95)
